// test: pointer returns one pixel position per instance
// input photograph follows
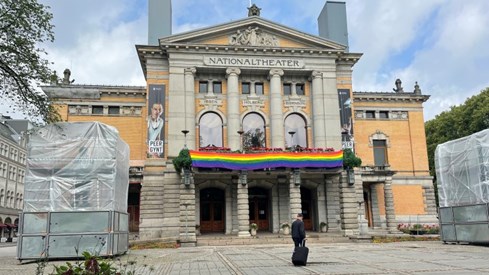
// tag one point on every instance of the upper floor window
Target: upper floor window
(97, 110)
(370, 114)
(217, 87)
(254, 131)
(203, 87)
(245, 88)
(295, 131)
(299, 88)
(114, 110)
(259, 88)
(380, 152)
(384, 114)
(287, 89)
(210, 128)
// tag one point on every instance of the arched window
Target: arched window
(295, 131)
(210, 128)
(254, 131)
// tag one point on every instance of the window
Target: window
(299, 88)
(114, 110)
(217, 87)
(203, 87)
(287, 89)
(380, 152)
(384, 114)
(370, 114)
(295, 131)
(254, 131)
(97, 110)
(210, 128)
(245, 88)
(259, 88)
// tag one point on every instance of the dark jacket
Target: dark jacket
(298, 231)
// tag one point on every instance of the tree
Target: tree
(253, 138)
(24, 26)
(460, 121)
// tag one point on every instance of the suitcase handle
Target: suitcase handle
(303, 244)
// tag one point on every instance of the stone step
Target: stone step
(267, 238)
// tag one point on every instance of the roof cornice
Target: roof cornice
(385, 96)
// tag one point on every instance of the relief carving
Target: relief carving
(253, 36)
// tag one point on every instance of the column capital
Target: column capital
(190, 70)
(235, 71)
(278, 72)
(316, 74)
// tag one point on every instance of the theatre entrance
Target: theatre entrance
(306, 203)
(212, 206)
(259, 207)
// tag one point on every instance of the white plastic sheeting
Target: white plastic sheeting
(81, 166)
(462, 170)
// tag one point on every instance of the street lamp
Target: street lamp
(291, 133)
(185, 132)
(241, 132)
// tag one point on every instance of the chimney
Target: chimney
(332, 22)
(159, 20)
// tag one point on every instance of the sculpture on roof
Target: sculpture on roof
(398, 88)
(254, 10)
(417, 90)
(66, 77)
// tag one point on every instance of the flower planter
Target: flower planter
(253, 232)
(417, 232)
(286, 230)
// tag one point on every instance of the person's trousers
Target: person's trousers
(297, 241)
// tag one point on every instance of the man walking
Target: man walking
(298, 232)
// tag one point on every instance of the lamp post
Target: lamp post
(185, 132)
(291, 133)
(241, 132)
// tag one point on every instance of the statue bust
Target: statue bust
(254, 10)
(417, 90)
(66, 77)
(398, 88)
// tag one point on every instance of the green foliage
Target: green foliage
(460, 121)
(253, 226)
(183, 161)
(253, 138)
(350, 160)
(24, 26)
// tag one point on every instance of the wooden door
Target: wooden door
(258, 207)
(212, 210)
(306, 205)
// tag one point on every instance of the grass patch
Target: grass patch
(393, 239)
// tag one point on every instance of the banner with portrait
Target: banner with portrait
(344, 100)
(156, 121)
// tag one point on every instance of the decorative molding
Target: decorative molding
(254, 103)
(211, 102)
(398, 115)
(295, 103)
(86, 110)
(379, 135)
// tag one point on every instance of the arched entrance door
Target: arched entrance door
(306, 203)
(259, 211)
(212, 210)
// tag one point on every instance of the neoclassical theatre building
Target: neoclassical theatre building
(265, 111)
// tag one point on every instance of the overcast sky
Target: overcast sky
(444, 45)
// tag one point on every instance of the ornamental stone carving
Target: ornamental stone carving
(253, 36)
(235, 71)
(277, 72)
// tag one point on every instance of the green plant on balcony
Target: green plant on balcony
(350, 160)
(183, 161)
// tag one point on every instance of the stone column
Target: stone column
(293, 89)
(318, 110)
(190, 107)
(390, 216)
(210, 88)
(233, 108)
(295, 205)
(229, 214)
(331, 114)
(252, 89)
(187, 213)
(243, 207)
(276, 112)
(348, 206)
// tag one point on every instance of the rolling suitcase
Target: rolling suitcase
(299, 257)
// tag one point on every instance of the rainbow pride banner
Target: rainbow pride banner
(254, 161)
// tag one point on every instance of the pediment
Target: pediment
(252, 32)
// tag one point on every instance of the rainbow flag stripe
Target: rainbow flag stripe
(254, 161)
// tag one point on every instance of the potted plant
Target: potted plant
(285, 228)
(417, 229)
(323, 227)
(197, 229)
(183, 161)
(253, 229)
(350, 160)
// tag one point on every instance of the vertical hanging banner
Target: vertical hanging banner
(156, 121)
(346, 119)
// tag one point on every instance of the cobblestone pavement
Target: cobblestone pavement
(341, 258)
